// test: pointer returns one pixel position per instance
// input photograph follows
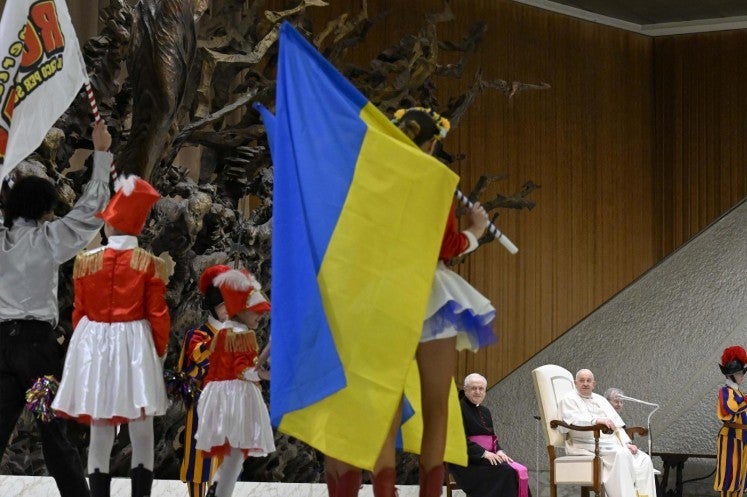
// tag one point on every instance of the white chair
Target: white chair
(551, 384)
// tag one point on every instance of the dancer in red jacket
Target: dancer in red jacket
(233, 418)
(113, 369)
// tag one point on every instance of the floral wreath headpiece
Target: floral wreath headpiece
(441, 122)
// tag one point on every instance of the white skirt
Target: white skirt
(233, 412)
(112, 372)
(455, 308)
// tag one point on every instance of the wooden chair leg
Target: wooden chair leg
(450, 482)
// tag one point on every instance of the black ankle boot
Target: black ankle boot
(141, 480)
(211, 491)
(100, 483)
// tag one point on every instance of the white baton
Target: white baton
(498, 234)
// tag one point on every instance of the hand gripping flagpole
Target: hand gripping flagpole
(648, 420)
(97, 118)
(498, 234)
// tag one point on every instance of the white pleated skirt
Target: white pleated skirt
(233, 413)
(112, 373)
(455, 308)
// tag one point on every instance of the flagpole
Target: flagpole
(492, 228)
(97, 117)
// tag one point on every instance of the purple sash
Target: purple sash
(487, 442)
(523, 474)
(490, 442)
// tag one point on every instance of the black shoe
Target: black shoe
(100, 483)
(141, 480)
(211, 491)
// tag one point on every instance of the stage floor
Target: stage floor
(43, 486)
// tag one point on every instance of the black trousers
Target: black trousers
(28, 350)
(486, 480)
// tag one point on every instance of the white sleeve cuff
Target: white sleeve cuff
(250, 374)
(473, 244)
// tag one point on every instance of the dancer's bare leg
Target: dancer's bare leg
(436, 362)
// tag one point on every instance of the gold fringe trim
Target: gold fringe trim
(162, 269)
(141, 260)
(237, 342)
(241, 342)
(87, 263)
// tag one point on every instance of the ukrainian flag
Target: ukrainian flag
(358, 217)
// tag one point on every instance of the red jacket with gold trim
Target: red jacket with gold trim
(231, 353)
(123, 285)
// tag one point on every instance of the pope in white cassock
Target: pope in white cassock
(627, 472)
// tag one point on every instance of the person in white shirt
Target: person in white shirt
(33, 245)
(621, 476)
(641, 460)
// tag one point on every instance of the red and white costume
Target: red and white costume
(113, 370)
(231, 411)
(455, 308)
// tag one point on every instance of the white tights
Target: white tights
(102, 441)
(228, 472)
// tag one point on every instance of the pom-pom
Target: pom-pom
(181, 387)
(126, 184)
(233, 279)
(734, 353)
(40, 396)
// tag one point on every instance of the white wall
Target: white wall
(660, 340)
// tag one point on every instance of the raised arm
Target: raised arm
(71, 233)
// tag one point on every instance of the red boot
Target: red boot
(432, 481)
(383, 483)
(331, 480)
(347, 484)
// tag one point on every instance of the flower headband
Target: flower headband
(441, 123)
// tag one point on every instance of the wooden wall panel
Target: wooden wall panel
(85, 18)
(701, 151)
(581, 244)
(588, 141)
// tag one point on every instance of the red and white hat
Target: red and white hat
(130, 205)
(239, 289)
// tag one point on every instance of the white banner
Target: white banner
(41, 72)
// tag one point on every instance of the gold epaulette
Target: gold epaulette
(238, 342)
(141, 260)
(241, 342)
(162, 269)
(87, 263)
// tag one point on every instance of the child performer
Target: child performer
(233, 418)
(113, 370)
(731, 410)
(457, 317)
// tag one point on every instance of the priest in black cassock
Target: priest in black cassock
(490, 472)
